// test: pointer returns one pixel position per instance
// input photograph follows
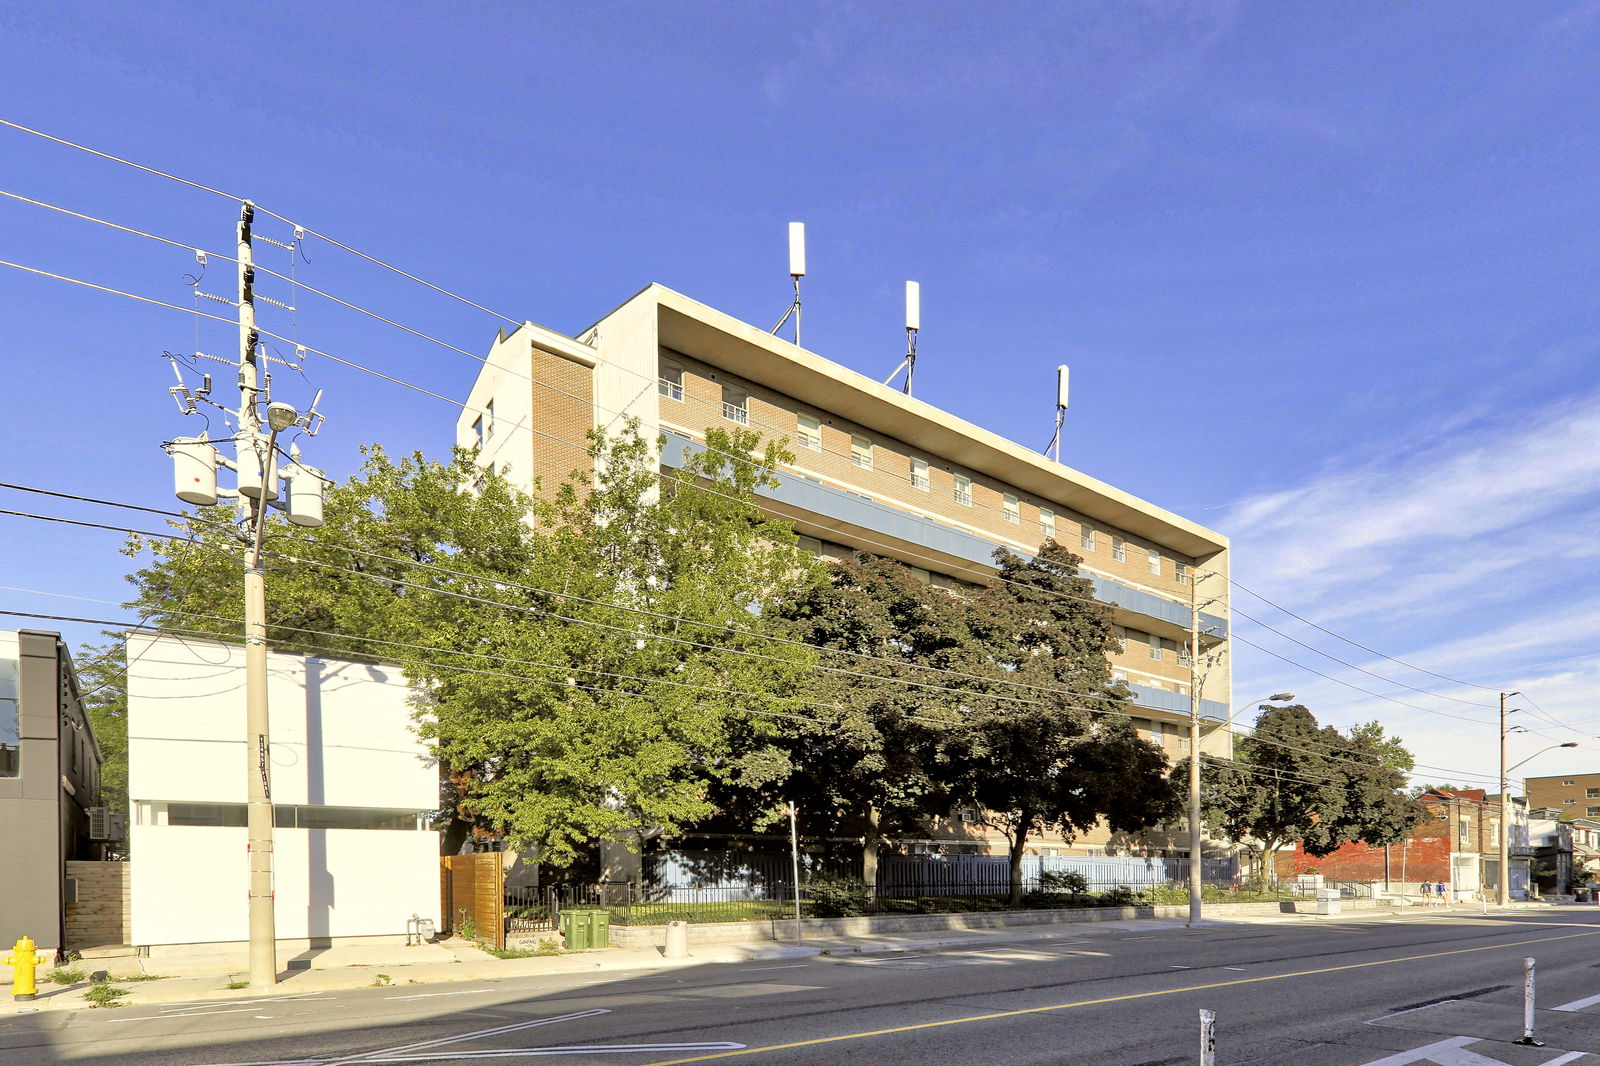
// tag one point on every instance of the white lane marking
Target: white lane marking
(191, 1013)
(1136, 938)
(1571, 1056)
(1578, 1004)
(388, 1054)
(1175, 966)
(1240, 968)
(569, 1049)
(301, 997)
(1451, 1052)
(431, 995)
(759, 969)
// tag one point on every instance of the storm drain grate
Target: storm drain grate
(1451, 998)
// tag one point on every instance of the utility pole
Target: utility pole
(195, 462)
(258, 750)
(1503, 893)
(1195, 867)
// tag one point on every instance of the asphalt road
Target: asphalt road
(1369, 991)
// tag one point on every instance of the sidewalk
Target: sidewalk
(197, 978)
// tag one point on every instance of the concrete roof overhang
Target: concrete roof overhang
(741, 349)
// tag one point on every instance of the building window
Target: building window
(670, 384)
(1180, 572)
(1047, 523)
(921, 575)
(1119, 549)
(1569, 781)
(919, 474)
(1591, 793)
(735, 406)
(1121, 635)
(810, 435)
(1155, 647)
(963, 492)
(1591, 812)
(10, 739)
(861, 452)
(1086, 537)
(1465, 828)
(1154, 560)
(1010, 509)
(808, 544)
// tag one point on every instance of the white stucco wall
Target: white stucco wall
(342, 736)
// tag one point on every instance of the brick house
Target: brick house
(1456, 845)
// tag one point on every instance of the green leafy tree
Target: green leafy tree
(576, 655)
(872, 759)
(1056, 750)
(102, 685)
(1294, 781)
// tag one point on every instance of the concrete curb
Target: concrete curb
(473, 965)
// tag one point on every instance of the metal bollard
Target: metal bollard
(677, 940)
(1208, 1038)
(1527, 1007)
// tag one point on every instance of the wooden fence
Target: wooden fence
(472, 888)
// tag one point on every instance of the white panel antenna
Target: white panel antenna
(797, 270)
(1061, 411)
(913, 324)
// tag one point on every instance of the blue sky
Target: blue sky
(1325, 277)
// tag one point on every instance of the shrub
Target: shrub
(64, 976)
(1122, 896)
(838, 897)
(1063, 881)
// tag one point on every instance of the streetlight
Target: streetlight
(1282, 697)
(1504, 892)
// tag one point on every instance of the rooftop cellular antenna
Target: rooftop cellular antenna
(1061, 411)
(797, 270)
(913, 323)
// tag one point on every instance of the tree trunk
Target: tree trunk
(869, 850)
(1019, 838)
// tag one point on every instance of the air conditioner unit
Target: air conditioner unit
(103, 825)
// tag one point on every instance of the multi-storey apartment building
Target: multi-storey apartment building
(1574, 795)
(874, 470)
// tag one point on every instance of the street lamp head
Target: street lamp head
(1280, 697)
(280, 416)
(1570, 744)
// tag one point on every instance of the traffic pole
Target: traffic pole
(1208, 1038)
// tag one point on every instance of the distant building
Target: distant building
(353, 788)
(49, 781)
(1457, 846)
(874, 470)
(1574, 795)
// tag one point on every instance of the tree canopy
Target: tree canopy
(1293, 781)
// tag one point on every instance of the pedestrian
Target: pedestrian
(1427, 892)
(1439, 890)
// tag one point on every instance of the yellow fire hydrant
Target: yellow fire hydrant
(24, 960)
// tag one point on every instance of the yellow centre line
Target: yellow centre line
(1113, 999)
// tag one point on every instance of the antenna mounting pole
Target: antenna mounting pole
(913, 324)
(797, 270)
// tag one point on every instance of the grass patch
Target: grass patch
(237, 984)
(135, 978)
(104, 995)
(64, 976)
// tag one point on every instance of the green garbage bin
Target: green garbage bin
(575, 928)
(586, 927)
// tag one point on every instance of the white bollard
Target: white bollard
(1527, 1007)
(677, 940)
(1208, 1038)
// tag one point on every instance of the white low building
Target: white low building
(352, 789)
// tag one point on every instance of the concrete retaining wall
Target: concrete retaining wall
(640, 936)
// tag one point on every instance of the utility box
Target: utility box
(1327, 901)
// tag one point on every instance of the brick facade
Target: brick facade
(1580, 799)
(563, 415)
